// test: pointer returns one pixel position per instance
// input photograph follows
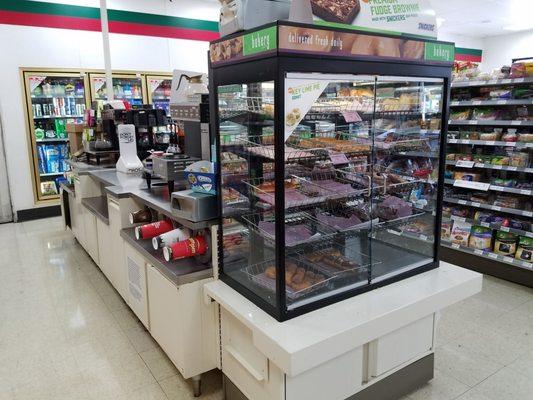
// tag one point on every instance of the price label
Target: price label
(454, 103)
(492, 255)
(460, 219)
(508, 259)
(471, 185)
(516, 122)
(472, 122)
(523, 191)
(478, 252)
(465, 164)
(498, 188)
(501, 102)
(504, 228)
(476, 204)
(490, 143)
(497, 167)
(519, 80)
(525, 264)
(485, 224)
(528, 213)
(529, 234)
(507, 80)
(476, 103)
(338, 158)
(423, 237)
(512, 168)
(496, 208)
(462, 202)
(456, 246)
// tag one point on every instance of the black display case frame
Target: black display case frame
(273, 67)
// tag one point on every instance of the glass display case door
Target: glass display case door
(158, 89)
(53, 99)
(406, 138)
(129, 87)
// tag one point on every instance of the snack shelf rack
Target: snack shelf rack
(491, 82)
(491, 207)
(474, 103)
(518, 145)
(482, 122)
(490, 255)
(492, 166)
(495, 188)
(489, 225)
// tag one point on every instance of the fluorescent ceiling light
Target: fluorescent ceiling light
(523, 26)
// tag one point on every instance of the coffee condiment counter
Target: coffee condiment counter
(166, 297)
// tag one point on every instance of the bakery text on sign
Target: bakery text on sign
(260, 41)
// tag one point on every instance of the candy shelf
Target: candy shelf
(526, 102)
(518, 145)
(495, 188)
(490, 255)
(491, 122)
(494, 226)
(489, 207)
(492, 166)
(492, 82)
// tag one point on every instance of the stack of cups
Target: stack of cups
(166, 239)
(154, 229)
(191, 247)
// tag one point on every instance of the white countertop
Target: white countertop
(310, 340)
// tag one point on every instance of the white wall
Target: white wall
(58, 48)
(461, 40)
(500, 50)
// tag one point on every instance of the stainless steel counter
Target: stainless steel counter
(82, 168)
(98, 207)
(179, 272)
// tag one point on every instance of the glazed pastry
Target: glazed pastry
(270, 272)
(299, 276)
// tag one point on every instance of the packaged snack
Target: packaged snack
(460, 115)
(469, 135)
(446, 230)
(48, 188)
(510, 136)
(480, 238)
(525, 137)
(463, 157)
(500, 160)
(460, 212)
(524, 251)
(507, 201)
(466, 176)
(450, 156)
(504, 182)
(480, 197)
(489, 136)
(519, 159)
(461, 233)
(447, 211)
(500, 94)
(505, 243)
(484, 114)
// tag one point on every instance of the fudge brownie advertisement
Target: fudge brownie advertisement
(396, 16)
(295, 39)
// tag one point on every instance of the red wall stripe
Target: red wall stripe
(90, 24)
(49, 21)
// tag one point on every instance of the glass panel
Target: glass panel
(129, 89)
(328, 216)
(159, 89)
(406, 143)
(246, 126)
(55, 101)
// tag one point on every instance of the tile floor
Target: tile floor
(67, 335)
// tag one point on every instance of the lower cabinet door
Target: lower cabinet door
(104, 249)
(165, 316)
(137, 291)
(91, 235)
(117, 263)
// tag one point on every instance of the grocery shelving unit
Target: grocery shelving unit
(126, 86)
(483, 174)
(158, 89)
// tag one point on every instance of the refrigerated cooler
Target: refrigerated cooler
(330, 163)
(129, 87)
(53, 99)
(158, 88)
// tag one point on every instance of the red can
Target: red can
(186, 248)
(154, 229)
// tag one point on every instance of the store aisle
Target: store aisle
(66, 334)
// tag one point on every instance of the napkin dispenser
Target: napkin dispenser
(194, 206)
(239, 15)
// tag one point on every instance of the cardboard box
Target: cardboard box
(75, 140)
(75, 128)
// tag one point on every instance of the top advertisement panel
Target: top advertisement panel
(414, 17)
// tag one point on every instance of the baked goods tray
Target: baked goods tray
(257, 274)
(298, 192)
(291, 154)
(300, 228)
(333, 259)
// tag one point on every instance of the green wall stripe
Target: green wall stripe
(40, 7)
(163, 20)
(472, 52)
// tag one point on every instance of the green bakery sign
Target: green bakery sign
(260, 41)
(439, 52)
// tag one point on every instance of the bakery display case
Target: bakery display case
(330, 172)
(487, 213)
(158, 88)
(53, 99)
